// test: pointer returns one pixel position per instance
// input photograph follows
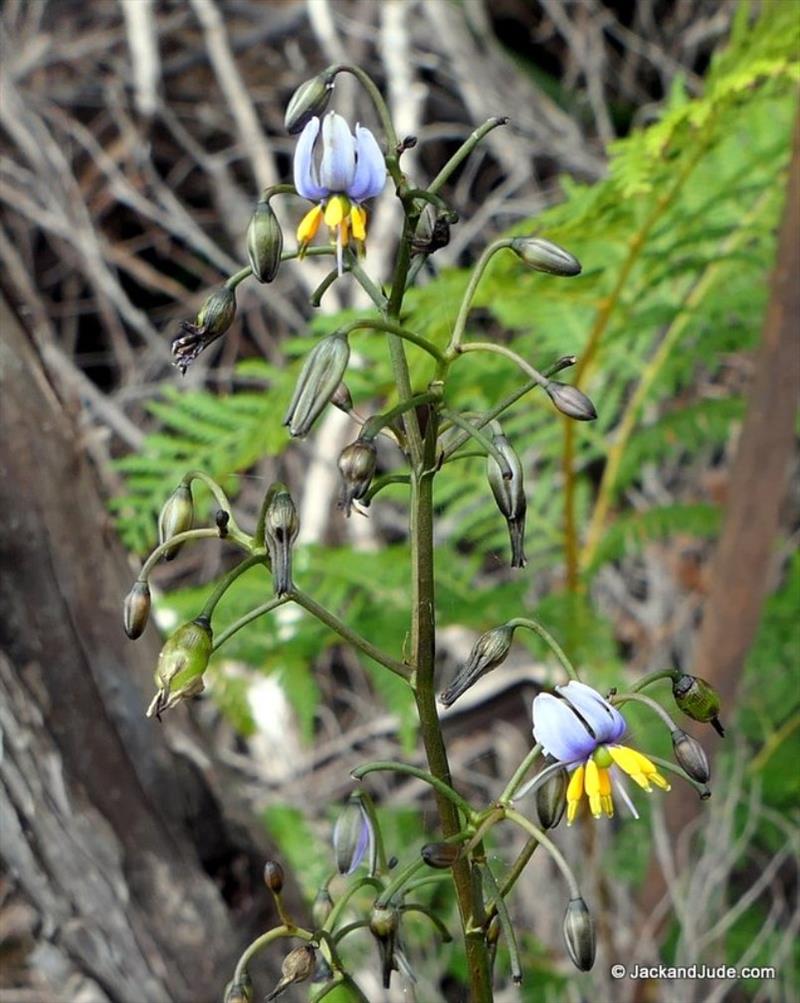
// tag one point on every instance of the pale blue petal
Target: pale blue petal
(559, 731)
(370, 175)
(338, 154)
(605, 721)
(305, 174)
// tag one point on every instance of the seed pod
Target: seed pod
(489, 651)
(551, 799)
(571, 401)
(181, 664)
(440, 855)
(698, 700)
(383, 924)
(215, 317)
(240, 991)
(298, 965)
(321, 907)
(273, 876)
(177, 516)
(352, 836)
(319, 379)
(136, 610)
(510, 496)
(545, 256)
(690, 756)
(309, 100)
(357, 468)
(264, 242)
(579, 934)
(281, 527)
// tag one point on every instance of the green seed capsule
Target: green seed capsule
(698, 700)
(181, 664)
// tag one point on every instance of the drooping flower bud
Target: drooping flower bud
(690, 756)
(357, 468)
(571, 401)
(579, 934)
(510, 496)
(281, 527)
(545, 256)
(319, 379)
(240, 991)
(177, 516)
(698, 700)
(298, 965)
(440, 855)
(321, 907)
(383, 924)
(273, 876)
(264, 242)
(215, 317)
(136, 610)
(181, 664)
(551, 798)
(352, 836)
(489, 651)
(310, 99)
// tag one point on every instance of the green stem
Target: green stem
(343, 902)
(366, 283)
(653, 677)
(513, 875)
(265, 940)
(372, 426)
(702, 789)
(549, 845)
(381, 482)
(506, 925)
(550, 641)
(233, 280)
(520, 773)
(173, 541)
(316, 297)
(232, 529)
(227, 580)
(482, 439)
(396, 884)
(469, 294)
(620, 698)
(243, 621)
(341, 628)
(440, 926)
(391, 328)
(444, 789)
(381, 108)
(490, 346)
(359, 924)
(464, 151)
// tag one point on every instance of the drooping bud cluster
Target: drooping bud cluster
(489, 651)
(281, 527)
(579, 934)
(136, 610)
(509, 493)
(264, 242)
(181, 664)
(545, 256)
(698, 700)
(177, 516)
(319, 380)
(357, 468)
(215, 317)
(298, 966)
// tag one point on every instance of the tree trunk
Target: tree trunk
(108, 834)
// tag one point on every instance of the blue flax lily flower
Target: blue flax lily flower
(582, 732)
(350, 171)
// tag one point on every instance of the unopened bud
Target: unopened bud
(298, 965)
(383, 924)
(264, 242)
(240, 991)
(571, 401)
(273, 876)
(690, 756)
(545, 256)
(341, 398)
(352, 836)
(579, 934)
(357, 467)
(181, 664)
(489, 651)
(698, 700)
(177, 516)
(215, 317)
(433, 230)
(319, 379)
(440, 855)
(509, 493)
(321, 907)
(310, 99)
(281, 527)
(551, 799)
(136, 610)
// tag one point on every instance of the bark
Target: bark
(106, 832)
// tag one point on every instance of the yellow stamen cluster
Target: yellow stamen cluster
(339, 214)
(592, 778)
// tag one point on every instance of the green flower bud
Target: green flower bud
(545, 256)
(181, 664)
(240, 991)
(264, 242)
(136, 610)
(571, 401)
(383, 924)
(690, 756)
(353, 837)
(321, 907)
(281, 527)
(177, 516)
(440, 855)
(298, 965)
(357, 467)
(579, 934)
(215, 317)
(489, 651)
(698, 700)
(551, 798)
(273, 876)
(319, 380)
(510, 496)
(311, 98)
